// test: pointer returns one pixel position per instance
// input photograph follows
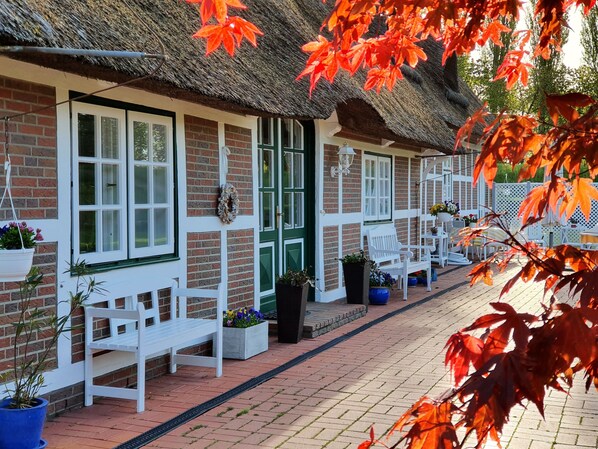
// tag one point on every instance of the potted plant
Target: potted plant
(380, 285)
(356, 271)
(17, 244)
(291, 300)
(245, 333)
(434, 230)
(22, 412)
(470, 219)
(445, 211)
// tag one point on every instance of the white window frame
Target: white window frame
(126, 181)
(378, 161)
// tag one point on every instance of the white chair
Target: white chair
(395, 258)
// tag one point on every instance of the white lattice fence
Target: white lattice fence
(507, 198)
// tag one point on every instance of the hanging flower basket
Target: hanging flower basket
(15, 264)
(17, 245)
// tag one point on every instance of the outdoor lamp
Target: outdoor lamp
(345, 159)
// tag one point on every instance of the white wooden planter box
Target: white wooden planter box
(246, 342)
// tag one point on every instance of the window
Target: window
(377, 188)
(123, 198)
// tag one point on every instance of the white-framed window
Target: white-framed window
(123, 189)
(377, 187)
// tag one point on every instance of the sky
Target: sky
(572, 49)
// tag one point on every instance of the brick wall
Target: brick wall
(240, 172)
(352, 186)
(32, 148)
(351, 238)
(402, 188)
(241, 277)
(202, 163)
(414, 188)
(203, 269)
(330, 183)
(44, 298)
(331, 264)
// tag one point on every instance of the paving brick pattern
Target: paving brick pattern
(331, 399)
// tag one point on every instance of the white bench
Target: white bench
(394, 258)
(135, 329)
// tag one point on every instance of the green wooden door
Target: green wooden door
(285, 221)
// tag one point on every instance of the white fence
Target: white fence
(508, 197)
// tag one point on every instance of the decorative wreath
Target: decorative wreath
(228, 203)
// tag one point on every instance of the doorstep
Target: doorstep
(321, 317)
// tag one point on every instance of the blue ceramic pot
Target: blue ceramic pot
(411, 282)
(379, 295)
(22, 428)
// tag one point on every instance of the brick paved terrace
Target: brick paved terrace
(331, 399)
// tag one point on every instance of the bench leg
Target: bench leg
(405, 279)
(140, 383)
(429, 279)
(217, 350)
(172, 360)
(88, 377)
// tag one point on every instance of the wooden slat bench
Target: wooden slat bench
(395, 258)
(135, 329)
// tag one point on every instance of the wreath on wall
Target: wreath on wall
(228, 203)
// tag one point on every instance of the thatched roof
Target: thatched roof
(258, 81)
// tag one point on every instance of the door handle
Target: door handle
(278, 215)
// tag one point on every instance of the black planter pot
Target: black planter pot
(290, 311)
(357, 282)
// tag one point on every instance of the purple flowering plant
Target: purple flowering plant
(243, 317)
(379, 278)
(10, 238)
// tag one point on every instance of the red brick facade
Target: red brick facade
(330, 183)
(240, 172)
(241, 277)
(32, 149)
(331, 264)
(202, 160)
(352, 186)
(402, 187)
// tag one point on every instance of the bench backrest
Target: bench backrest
(112, 293)
(383, 244)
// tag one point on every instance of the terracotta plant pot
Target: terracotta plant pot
(357, 282)
(291, 302)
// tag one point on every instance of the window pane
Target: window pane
(110, 187)
(266, 131)
(159, 143)
(160, 227)
(287, 168)
(109, 138)
(288, 210)
(141, 185)
(267, 166)
(297, 135)
(141, 228)
(286, 133)
(160, 185)
(141, 141)
(267, 211)
(111, 230)
(87, 184)
(87, 232)
(299, 210)
(87, 135)
(298, 171)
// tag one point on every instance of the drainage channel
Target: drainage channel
(198, 410)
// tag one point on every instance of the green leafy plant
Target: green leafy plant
(358, 258)
(296, 278)
(242, 318)
(28, 369)
(11, 234)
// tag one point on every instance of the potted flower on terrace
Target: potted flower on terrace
(380, 285)
(445, 211)
(469, 219)
(17, 244)
(356, 271)
(291, 301)
(245, 333)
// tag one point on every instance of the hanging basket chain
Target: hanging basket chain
(7, 169)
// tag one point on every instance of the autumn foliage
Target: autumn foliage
(504, 358)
